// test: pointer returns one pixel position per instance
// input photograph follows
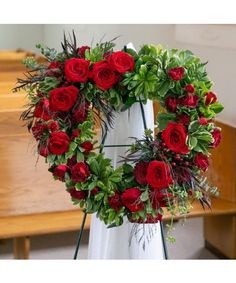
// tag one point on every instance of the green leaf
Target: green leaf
(216, 107)
(192, 142)
(163, 88)
(73, 146)
(99, 196)
(79, 156)
(51, 158)
(164, 118)
(193, 126)
(128, 103)
(127, 168)
(111, 216)
(144, 196)
(94, 167)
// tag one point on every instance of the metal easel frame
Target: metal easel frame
(85, 214)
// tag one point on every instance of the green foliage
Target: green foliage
(49, 53)
(163, 119)
(199, 137)
(48, 84)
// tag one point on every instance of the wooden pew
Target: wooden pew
(220, 230)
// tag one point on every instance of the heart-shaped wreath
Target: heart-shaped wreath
(79, 85)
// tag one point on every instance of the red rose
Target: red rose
(82, 49)
(184, 118)
(53, 126)
(43, 151)
(140, 172)
(80, 113)
(75, 133)
(171, 103)
(202, 121)
(103, 75)
(77, 70)
(131, 199)
(87, 146)
(42, 110)
(175, 137)
(115, 201)
(158, 175)
(79, 172)
(160, 199)
(210, 98)
(121, 62)
(176, 74)
(77, 194)
(58, 143)
(38, 130)
(60, 171)
(54, 69)
(201, 161)
(189, 100)
(216, 134)
(63, 98)
(189, 88)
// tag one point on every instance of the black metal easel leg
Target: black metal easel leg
(163, 241)
(80, 235)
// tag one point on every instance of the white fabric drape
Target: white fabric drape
(113, 243)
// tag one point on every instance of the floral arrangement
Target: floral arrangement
(82, 85)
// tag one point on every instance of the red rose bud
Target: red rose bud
(176, 74)
(82, 49)
(189, 88)
(216, 134)
(115, 201)
(171, 103)
(75, 133)
(80, 113)
(77, 194)
(58, 143)
(87, 146)
(140, 172)
(210, 98)
(131, 199)
(63, 98)
(53, 126)
(94, 191)
(203, 121)
(43, 151)
(184, 118)
(103, 75)
(60, 171)
(158, 175)
(38, 129)
(121, 62)
(175, 137)
(79, 172)
(189, 100)
(42, 110)
(77, 70)
(201, 161)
